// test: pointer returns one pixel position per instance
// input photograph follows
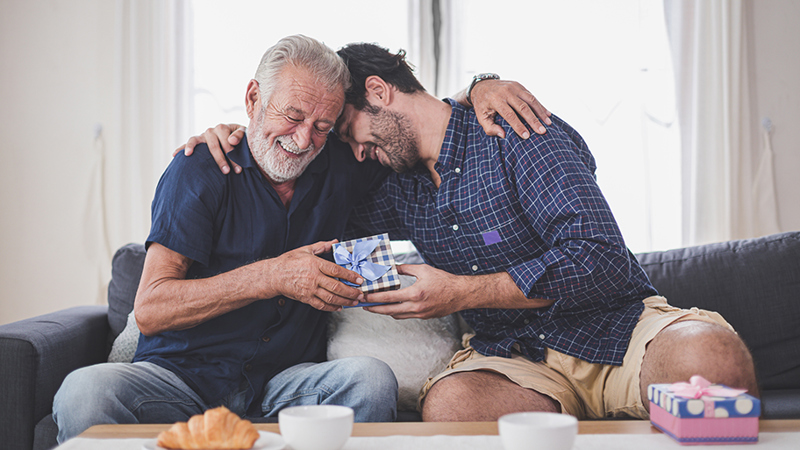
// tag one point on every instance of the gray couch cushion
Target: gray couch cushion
(754, 284)
(126, 270)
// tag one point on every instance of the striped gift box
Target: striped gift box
(381, 255)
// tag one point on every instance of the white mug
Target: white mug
(537, 431)
(316, 427)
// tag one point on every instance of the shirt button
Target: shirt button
(455, 227)
(458, 170)
(526, 321)
(248, 367)
(541, 336)
(281, 302)
(475, 268)
(265, 339)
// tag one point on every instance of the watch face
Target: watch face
(486, 76)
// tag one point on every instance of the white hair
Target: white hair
(323, 63)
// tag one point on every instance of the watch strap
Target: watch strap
(477, 79)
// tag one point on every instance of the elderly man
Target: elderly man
(233, 297)
(518, 238)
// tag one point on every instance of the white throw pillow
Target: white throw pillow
(415, 349)
(124, 347)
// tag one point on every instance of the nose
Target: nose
(302, 135)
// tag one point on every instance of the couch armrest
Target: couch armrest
(37, 354)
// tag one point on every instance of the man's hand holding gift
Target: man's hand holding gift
(436, 293)
(303, 276)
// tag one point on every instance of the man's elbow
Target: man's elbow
(145, 320)
(146, 328)
(147, 331)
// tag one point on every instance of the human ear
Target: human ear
(378, 91)
(252, 98)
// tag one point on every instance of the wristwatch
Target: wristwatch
(478, 78)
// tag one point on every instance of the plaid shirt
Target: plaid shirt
(531, 208)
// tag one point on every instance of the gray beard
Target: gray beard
(272, 161)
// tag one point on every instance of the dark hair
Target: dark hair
(365, 60)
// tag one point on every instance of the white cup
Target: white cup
(537, 431)
(316, 427)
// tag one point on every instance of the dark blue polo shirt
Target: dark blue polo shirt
(222, 222)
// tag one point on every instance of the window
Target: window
(231, 36)
(604, 67)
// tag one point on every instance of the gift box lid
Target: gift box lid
(706, 406)
(381, 255)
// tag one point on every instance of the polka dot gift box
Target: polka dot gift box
(701, 413)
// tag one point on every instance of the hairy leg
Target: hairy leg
(694, 347)
(480, 396)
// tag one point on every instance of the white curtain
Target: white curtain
(720, 151)
(152, 92)
(433, 32)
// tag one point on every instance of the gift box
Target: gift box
(701, 413)
(372, 258)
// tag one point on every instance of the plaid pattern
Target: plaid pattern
(381, 255)
(533, 209)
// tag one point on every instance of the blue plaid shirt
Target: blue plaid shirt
(531, 208)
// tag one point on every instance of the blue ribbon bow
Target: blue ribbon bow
(358, 262)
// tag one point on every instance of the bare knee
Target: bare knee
(698, 348)
(480, 396)
(448, 399)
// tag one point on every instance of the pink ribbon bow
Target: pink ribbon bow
(698, 387)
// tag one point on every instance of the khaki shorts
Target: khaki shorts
(585, 390)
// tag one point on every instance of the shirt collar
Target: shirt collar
(452, 153)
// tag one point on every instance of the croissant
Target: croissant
(218, 428)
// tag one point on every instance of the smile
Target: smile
(294, 151)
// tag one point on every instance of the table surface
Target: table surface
(430, 428)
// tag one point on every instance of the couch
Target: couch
(754, 284)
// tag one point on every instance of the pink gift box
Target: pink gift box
(705, 431)
(705, 420)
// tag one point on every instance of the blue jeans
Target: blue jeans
(142, 392)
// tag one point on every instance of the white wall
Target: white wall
(57, 82)
(55, 85)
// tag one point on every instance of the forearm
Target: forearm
(497, 290)
(167, 302)
(437, 293)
